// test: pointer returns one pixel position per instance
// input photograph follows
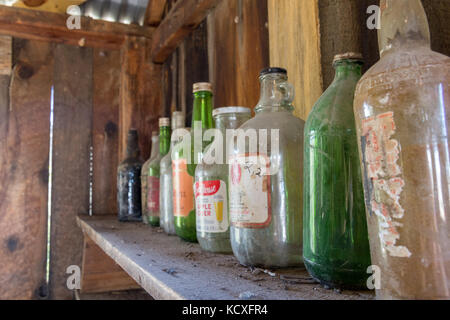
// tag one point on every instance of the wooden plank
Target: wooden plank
(239, 39)
(59, 6)
(438, 13)
(100, 273)
(24, 151)
(182, 19)
(140, 95)
(295, 45)
(169, 268)
(196, 66)
(154, 12)
(105, 132)
(71, 151)
(47, 26)
(5, 55)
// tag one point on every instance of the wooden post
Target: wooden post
(72, 137)
(140, 95)
(24, 151)
(295, 45)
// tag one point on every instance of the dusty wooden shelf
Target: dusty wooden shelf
(168, 268)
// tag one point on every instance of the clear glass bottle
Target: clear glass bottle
(154, 173)
(129, 181)
(402, 119)
(265, 195)
(211, 186)
(184, 165)
(166, 188)
(335, 241)
(144, 176)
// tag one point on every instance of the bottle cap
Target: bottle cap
(155, 133)
(226, 110)
(272, 70)
(348, 56)
(164, 122)
(178, 120)
(203, 86)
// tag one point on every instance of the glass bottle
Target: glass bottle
(211, 186)
(144, 175)
(185, 162)
(154, 173)
(335, 241)
(166, 188)
(401, 110)
(129, 182)
(265, 195)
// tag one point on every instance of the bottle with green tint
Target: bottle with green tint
(185, 160)
(154, 173)
(335, 240)
(144, 175)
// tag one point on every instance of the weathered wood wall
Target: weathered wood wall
(305, 36)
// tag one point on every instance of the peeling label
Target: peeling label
(384, 179)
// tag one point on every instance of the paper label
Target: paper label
(384, 179)
(153, 196)
(211, 206)
(183, 194)
(249, 191)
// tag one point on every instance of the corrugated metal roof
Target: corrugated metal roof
(123, 11)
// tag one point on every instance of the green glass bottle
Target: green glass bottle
(184, 164)
(335, 240)
(154, 173)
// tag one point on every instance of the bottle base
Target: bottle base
(335, 278)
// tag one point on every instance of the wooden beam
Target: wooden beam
(47, 26)
(154, 13)
(182, 19)
(295, 45)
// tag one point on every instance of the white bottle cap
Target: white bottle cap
(226, 110)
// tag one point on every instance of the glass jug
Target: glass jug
(265, 179)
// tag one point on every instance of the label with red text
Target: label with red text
(211, 206)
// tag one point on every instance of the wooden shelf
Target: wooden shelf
(169, 268)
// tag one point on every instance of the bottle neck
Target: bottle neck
(404, 24)
(202, 110)
(164, 140)
(276, 94)
(155, 147)
(346, 69)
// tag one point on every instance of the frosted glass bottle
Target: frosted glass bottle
(144, 175)
(211, 187)
(265, 185)
(402, 117)
(166, 186)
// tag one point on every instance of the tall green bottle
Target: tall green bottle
(184, 164)
(335, 240)
(154, 173)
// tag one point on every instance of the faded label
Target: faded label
(249, 191)
(384, 179)
(211, 206)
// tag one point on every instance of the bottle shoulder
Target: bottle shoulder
(282, 120)
(414, 67)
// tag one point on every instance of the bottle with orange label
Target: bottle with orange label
(265, 179)
(185, 158)
(211, 184)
